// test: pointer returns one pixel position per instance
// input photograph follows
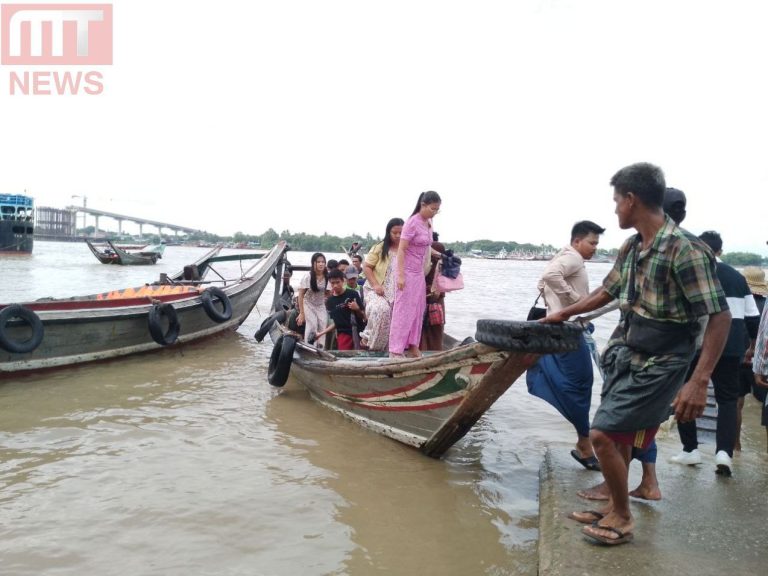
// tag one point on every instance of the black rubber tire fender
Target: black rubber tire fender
(280, 360)
(29, 317)
(155, 320)
(209, 297)
(267, 324)
(534, 337)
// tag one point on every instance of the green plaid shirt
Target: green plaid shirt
(675, 279)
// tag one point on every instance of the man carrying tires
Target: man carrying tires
(565, 380)
(664, 279)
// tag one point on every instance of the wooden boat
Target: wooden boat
(57, 332)
(114, 254)
(429, 402)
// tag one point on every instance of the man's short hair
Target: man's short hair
(585, 228)
(674, 204)
(336, 274)
(343, 262)
(332, 265)
(713, 240)
(644, 180)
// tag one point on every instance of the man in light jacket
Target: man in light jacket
(565, 380)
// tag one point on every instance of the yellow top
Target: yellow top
(375, 261)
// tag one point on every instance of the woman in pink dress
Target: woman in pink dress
(408, 311)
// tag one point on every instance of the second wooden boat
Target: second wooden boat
(62, 331)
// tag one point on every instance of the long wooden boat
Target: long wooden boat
(429, 402)
(114, 254)
(57, 332)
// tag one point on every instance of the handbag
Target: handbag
(536, 313)
(451, 265)
(446, 284)
(656, 337)
(435, 314)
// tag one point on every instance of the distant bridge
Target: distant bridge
(122, 217)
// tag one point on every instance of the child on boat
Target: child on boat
(341, 305)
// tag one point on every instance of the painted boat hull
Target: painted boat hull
(85, 330)
(429, 403)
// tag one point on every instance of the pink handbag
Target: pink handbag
(445, 284)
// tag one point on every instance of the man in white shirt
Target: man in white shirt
(565, 380)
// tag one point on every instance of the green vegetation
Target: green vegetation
(327, 243)
(302, 242)
(743, 259)
(493, 247)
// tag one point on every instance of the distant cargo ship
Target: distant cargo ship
(17, 223)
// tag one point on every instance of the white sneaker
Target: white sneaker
(688, 458)
(723, 463)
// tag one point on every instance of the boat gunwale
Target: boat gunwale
(314, 360)
(91, 303)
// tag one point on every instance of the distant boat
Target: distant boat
(17, 223)
(114, 254)
(53, 332)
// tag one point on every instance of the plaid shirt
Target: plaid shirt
(674, 279)
(760, 359)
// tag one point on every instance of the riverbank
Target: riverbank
(704, 525)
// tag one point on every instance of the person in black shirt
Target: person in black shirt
(341, 305)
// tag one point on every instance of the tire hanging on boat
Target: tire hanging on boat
(209, 298)
(28, 317)
(280, 360)
(267, 324)
(534, 337)
(155, 319)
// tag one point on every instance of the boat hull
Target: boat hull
(117, 255)
(429, 403)
(76, 331)
(16, 237)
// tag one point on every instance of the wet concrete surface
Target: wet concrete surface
(704, 525)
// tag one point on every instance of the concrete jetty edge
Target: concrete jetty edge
(705, 524)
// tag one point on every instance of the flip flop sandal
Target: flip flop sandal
(622, 537)
(595, 516)
(590, 463)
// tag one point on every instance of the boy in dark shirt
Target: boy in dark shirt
(340, 305)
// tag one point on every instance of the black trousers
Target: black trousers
(725, 379)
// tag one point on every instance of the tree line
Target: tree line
(329, 243)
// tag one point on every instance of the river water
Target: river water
(186, 462)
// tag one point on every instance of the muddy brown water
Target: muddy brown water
(187, 462)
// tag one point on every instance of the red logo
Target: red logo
(79, 34)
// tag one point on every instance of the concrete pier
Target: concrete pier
(704, 525)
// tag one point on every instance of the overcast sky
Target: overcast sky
(331, 116)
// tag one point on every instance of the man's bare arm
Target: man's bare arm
(596, 299)
(690, 402)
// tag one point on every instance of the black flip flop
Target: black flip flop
(622, 537)
(590, 463)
